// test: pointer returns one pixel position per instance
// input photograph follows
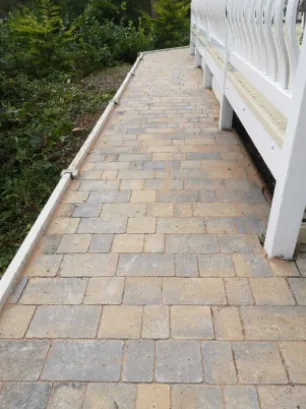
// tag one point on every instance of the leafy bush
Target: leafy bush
(170, 28)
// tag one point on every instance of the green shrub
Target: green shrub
(170, 28)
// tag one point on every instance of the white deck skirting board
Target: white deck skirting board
(11, 275)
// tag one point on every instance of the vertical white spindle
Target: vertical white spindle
(283, 60)
(268, 30)
(293, 47)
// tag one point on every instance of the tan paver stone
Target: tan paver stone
(14, 321)
(155, 322)
(218, 265)
(74, 243)
(252, 265)
(188, 322)
(109, 396)
(193, 291)
(154, 243)
(183, 210)
(128, 243)
(110, 175)
(153, 396)
(160, 209)
(44, 265)
(286, 323)
(123, 209)
(143, 196)
(141, 225)
(133, 184)
(271, 291)
(67, 396)
(238, 291)
(284, 268)
(104, 290)
(259, 363)
(227, 323)
(120, 322)
(218, 363)
(196, 397)
(89, 265)
(63, 225)
(76, 197)
(294, 354)
(284, 397)
(215, 210)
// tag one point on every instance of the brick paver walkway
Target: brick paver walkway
(150, 289)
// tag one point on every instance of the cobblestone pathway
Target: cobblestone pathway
(150, 289)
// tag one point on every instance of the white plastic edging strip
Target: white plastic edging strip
(14, 269)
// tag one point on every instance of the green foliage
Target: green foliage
(170, 28)
(45, 59)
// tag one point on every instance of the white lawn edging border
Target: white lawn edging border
(11, 275)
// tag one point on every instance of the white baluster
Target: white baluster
(293, 47)
(283, 60)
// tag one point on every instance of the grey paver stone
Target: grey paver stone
(181, 196)
(67, 396)
(87, 210)
(125, 210)
(189, 322)
(298, 287)
(84, 361)
(22, 360)
(259, 363)
(180, 225)
(138, 363)
(178, 362)
(196, 397)
(218, 363)
(240, 397)
(192, 243)
(186, 265)
(109, 196)
(64, 321)
(110, 396)
(101, 243)
(14, 298)
(25, 395)
(142, 291)
(54, 291)
(146, 265)
(103, 225)
(237, 243)
(89, 265)
(48, 244)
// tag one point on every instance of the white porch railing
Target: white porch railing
(252, 59)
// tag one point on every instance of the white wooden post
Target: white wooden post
(207, 77)
(290, 194)
(198, 58)
(226, 110)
